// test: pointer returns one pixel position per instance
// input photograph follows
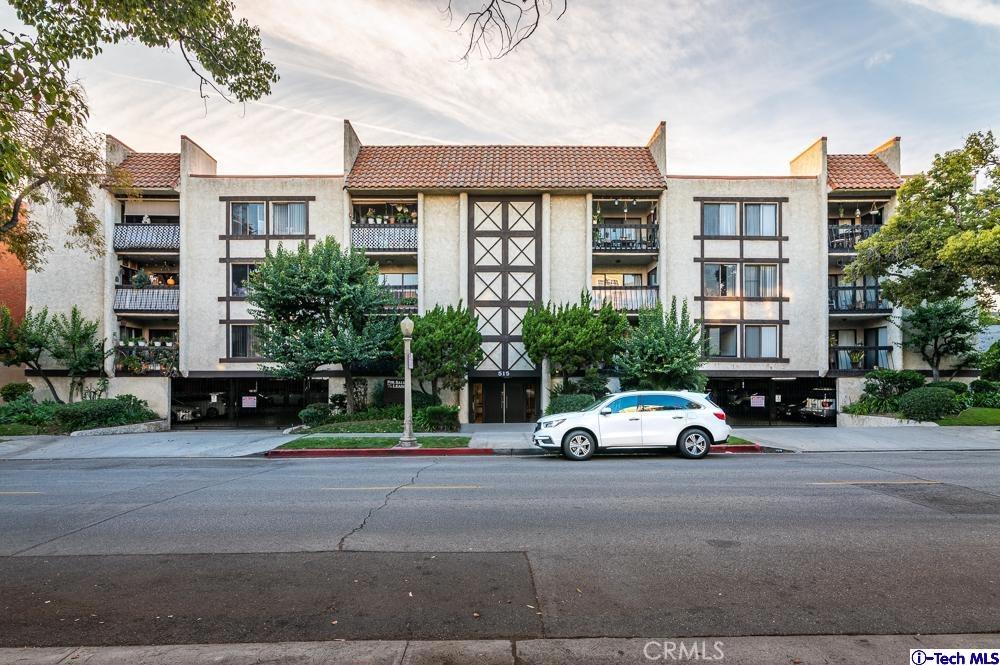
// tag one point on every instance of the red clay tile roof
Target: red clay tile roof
(860, 172)
(504, 167)
(153, 170)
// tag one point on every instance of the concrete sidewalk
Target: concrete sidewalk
(801, 650)
(201, 443)
(873, 439)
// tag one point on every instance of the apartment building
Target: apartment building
(499, 228)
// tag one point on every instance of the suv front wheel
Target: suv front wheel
(579, 445)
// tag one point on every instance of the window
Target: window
(720, 279)
(239, 273)
(666, 403)
(244, 342)
(720, 219)
(247, 219)
(402, 284)
(289, 219)
(761, 219)
(760, 281)
(619, 279)
(628, 404)
(721, 341)
(761, 342)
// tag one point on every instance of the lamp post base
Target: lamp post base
(407, 442)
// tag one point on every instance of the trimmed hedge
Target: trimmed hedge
(929, 403)
(984, 386)
(14, 391)
(87, 414)
(437, 419)
(956, 387)
(568, 403)
(889, 383)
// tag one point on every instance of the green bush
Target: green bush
(984, 386)
(956, 387)
(13, 391)
(315, 414)
(26, 411)
(438, 418)
(888, 384)
(868, 405)
(422, 400)
(987, 400)
(91, 413)
(568, 403)
(391, 412)
(929, 403)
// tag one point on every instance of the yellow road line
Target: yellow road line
(880, 482)
(404, 487)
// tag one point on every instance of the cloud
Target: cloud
(983, 12)
(878, 58)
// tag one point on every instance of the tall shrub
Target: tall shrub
(662, 352)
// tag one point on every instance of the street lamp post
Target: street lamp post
(407, 440)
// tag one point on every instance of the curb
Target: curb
(755, 448)
(378, 452)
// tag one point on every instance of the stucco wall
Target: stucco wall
(204, 278)
(804, 276)
(440, 251)
(567, 264)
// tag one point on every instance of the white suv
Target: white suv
(645, 419)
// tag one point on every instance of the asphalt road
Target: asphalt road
(250, 550)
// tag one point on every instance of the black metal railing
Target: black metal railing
(150, 359)
(147, 299)
(625, 237)
(860, 358)
(385, 237)
(626, 298)
(858, 299)
(404, 298)
(844, 237)
(158, 237)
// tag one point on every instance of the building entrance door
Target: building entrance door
(504, 401)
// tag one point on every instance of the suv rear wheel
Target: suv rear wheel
(579, 445)
(694, 443)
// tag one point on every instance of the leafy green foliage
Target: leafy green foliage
(938, 330)
(989, 362)
(319, 305)
(985, 399)
(888, 383)
(662, 353)
(446, 345)
(77, 346)
(442, 418)
(924, 404)
(573, 337)
(87, 414)
(13, 391)
(315, 414)
(977, 386)
(591, 383)
(24, 343)
(945, 230)
(957, 387)
(868, 405)
(568, 403)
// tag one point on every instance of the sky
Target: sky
(743, 85)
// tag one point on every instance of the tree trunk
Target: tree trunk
(936, 371)
(349, 388)
(52, 388)
(434, 387)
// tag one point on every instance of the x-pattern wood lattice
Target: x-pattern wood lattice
(504, 277)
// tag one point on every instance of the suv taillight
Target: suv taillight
(720, 415)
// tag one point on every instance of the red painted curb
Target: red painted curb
(755, 448)
(378, 452)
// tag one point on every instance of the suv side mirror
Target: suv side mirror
(606, 411)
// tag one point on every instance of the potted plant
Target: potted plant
(370, 215)
(131, 342)
(142, 342)
(157, 342)
(140, 280)
(132, 364)
(857, 356)
(413, 217)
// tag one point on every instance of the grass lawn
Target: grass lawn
(375, 442)
(361, 427)
(974, 416)
(17, 429)
(737, 441)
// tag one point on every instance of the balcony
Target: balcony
(844, 237)
(384, 237)
(147, 300)
(858, 300)
(613, 237)
(146, 360)
(147, 237)
(404, 298)
(626, 298)
(860, 359)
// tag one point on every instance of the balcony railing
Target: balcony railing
(150, 299)
(860, 358)
(146, 360)
(404, 298)
(625, 237)
(385, 237)
(844, 237)
(858, 299)
(626, 298)
(156, 237)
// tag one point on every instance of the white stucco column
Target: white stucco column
(588, 225)
(463, 288)
(421, 260)
(347, 219)
(546, 247)
(661, 263)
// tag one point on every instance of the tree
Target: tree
(46, 152)
(317, 306)
(662, 353)
(572, 337)
(76, 345)
(945, 232)
(24, 343)
(497, 27)
(937, 330)
(446, 345)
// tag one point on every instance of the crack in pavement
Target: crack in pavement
(385, 502)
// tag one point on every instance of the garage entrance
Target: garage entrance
(244, 402)
(773, 402)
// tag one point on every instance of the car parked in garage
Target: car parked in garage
(639, 420)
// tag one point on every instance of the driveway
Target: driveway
(872, 439)
(224, 443)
